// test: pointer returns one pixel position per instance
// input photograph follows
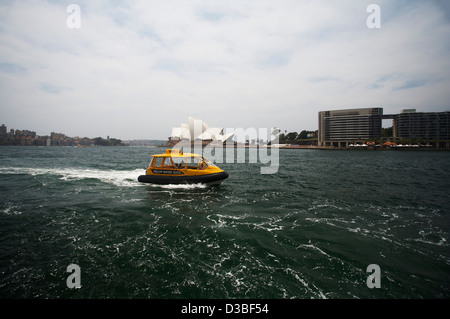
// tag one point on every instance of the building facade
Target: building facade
(410, 124)
(341, 127)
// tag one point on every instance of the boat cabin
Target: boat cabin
(175, 161)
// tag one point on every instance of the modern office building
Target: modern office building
(341, 127)
(410, 124)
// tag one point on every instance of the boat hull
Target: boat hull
(208, 179)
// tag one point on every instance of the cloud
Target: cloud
(137, 68)
(444, 6)
(52, 89)
(414, 83)
(11, 68)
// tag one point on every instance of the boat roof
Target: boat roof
(176, 153)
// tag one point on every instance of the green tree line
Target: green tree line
(298, 138)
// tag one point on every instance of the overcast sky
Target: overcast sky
(135, 69)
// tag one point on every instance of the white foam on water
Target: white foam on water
(116, 177)
(179, 186)
(11, 210)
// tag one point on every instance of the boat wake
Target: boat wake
(177, 186)
(115, 177)
(191, 186)
(127, 178)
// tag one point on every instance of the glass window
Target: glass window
(193, 162)
(179, 162)
(167, 162)
(158, 161)
(207, 163)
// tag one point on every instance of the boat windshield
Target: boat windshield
(208, 162)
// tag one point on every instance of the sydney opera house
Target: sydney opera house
(198, 131)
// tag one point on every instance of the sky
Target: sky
(136, 69)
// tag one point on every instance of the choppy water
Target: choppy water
(309, 231)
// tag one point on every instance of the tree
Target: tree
(303, 135)
(100, 141)
(291, 136)
(387, 132)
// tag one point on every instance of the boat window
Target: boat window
(158, 161)
(179, 162)
(203, 165)
(167, 162)
(192, 162)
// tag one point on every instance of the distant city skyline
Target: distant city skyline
(135, 69)
(27, 137)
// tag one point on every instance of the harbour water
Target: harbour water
(308, 231)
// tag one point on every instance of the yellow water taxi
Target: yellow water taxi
(177, 167)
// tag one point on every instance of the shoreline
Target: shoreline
(315, 147)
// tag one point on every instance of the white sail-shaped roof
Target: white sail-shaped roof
(197, 129)
(226, 137)
(180, 133)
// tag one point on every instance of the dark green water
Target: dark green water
(309, 231)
